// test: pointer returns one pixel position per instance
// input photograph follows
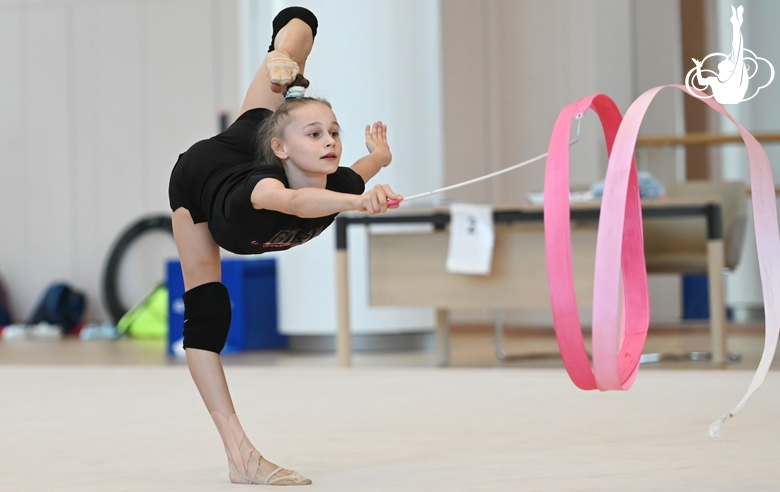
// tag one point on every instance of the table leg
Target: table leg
(715, 259)
(343, 335)
(443, 337)
(498, 334)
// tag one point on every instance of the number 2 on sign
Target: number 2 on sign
(472, 228)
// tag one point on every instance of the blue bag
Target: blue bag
(60, 305)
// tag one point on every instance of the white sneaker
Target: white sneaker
(16, 332)
(46, 330)
(99, 332)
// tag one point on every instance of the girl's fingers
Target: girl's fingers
(374, 202)
(377, 132)
(379, 199)
(382, 199)
(393, 199)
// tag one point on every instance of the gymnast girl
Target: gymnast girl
(269, 182)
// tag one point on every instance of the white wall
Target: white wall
(97, 99)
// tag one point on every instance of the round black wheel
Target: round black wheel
(111, 272)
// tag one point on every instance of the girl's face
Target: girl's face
(311, 139)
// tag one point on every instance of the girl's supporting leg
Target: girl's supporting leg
(200, 263)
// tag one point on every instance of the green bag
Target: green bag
(149, 318)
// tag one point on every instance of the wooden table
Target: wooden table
(408, 269)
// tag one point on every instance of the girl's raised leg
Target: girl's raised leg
(292, 46)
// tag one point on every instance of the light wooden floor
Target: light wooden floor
(132, 428)
(472, 346)
(102, 416)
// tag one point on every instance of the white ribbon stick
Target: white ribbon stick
(471, 239)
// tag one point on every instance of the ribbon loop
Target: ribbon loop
(620, 247)
(619, 242)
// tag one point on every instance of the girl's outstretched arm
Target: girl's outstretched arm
(379, 152)
(271, 194)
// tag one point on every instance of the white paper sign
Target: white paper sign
(471, 239)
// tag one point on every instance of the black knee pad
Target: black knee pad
(290, 13)
(207, 317)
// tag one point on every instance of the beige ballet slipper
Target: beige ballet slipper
(293, 478)
(282, 71)
(244, 459)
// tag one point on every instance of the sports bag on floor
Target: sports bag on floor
(60, 305)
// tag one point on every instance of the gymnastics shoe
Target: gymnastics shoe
(244, 459)
(44, 330)
(282, 70)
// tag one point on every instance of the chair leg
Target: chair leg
(498, 334)
(715, 266)
(343, 333)
(443, 337)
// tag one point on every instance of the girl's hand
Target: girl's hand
(376, 142)
(374, 201)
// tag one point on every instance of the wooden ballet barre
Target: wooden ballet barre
(777, 191)
(701, 138)
(704, 138)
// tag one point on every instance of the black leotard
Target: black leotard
(215, 178)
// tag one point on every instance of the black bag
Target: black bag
(60, 305)
(5, 307)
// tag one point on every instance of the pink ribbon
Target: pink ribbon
(617, 348)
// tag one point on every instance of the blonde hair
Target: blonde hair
(274, 125)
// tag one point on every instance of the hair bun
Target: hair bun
(295, 92)
(297, 88)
